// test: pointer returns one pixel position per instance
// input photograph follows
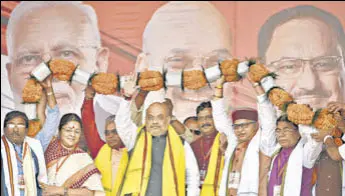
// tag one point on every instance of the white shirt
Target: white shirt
(269, 143)
(127, 130)
(250, 174)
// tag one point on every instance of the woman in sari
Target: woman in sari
(71, 171)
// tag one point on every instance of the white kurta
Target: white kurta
(304, 155)
(127, 130)
(249, 182)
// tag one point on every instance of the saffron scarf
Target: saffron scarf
(10, 166)
(138, 171)
(214, 171)
(104, 164)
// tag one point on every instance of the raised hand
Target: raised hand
(129, 87)
(336, 107)
(89, 92)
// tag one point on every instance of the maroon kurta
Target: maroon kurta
(202, 150)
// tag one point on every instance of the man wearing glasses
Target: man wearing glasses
(36, 29)
(22, 156)
(305, 47)
(111, 158)
(192, 124)
(207, 150)
(240, 175)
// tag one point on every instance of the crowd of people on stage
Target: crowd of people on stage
(141, 149)
(254, 152)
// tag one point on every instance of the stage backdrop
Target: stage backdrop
(122, 25)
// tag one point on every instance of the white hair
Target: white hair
(184, 16)
(25, 7)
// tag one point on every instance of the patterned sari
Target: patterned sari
(71, 168)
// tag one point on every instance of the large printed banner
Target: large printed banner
(302, 42)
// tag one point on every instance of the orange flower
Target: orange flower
(105, 83)
(32, 91)
(300, 114)
(229, 70)
(257, 72)
(62, 69)
(34, 127)
(279, 97)
(151, 80)
(325, 120)
(194, 79)
(338, 141)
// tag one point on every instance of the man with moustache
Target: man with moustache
(310, 65)
(23, 156)
(161, 162)
(241, 168)
(186, 45)
(36, 29)
(207, 151)
(111, 157)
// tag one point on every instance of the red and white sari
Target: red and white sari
(71, 168)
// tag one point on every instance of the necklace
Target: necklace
(58, 166)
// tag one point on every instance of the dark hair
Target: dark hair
(70, 117)
(302, 11)
(14, 114)
(284, 118)
(203, 106)
(190, 118)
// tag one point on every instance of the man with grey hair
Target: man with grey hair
(111, 157)
(305, 46)
(36, 29)
(194, 34)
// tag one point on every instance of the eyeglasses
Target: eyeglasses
(73, 54)
(284, 131)
(179, 59)
(242, 125)
(19, 126)
(113, 131)
(291, 67)
(196, 132)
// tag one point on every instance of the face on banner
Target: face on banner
(70, 36)
(309, 62)
(187, 45)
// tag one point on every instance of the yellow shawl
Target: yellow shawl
(103, 163)
(138, 172)
(214, 171)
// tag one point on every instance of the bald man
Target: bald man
(161, 162)
(187, 42)
(38, 28)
